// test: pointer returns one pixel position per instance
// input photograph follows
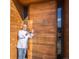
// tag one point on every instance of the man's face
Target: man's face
(24, 27)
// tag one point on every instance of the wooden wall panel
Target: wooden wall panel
(43, 43)
(15, 20)
(26, 2)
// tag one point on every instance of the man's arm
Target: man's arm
(31, 34)
(20, 35)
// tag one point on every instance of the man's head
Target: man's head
(24, 26)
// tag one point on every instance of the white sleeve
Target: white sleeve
(20, 35)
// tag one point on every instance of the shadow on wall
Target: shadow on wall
(20, 9)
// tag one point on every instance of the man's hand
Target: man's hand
(32, 31)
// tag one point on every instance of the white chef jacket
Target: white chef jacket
(23, 38)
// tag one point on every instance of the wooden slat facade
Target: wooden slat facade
(43, 16)
(44, 24)
(15, 21)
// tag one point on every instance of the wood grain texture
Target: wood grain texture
(26, 2)
(45, 28)
(15, 20)
(66, 28)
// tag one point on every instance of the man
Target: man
(22, 45)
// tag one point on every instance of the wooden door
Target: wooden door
(43, 44)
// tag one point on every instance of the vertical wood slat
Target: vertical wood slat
(66, 28)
